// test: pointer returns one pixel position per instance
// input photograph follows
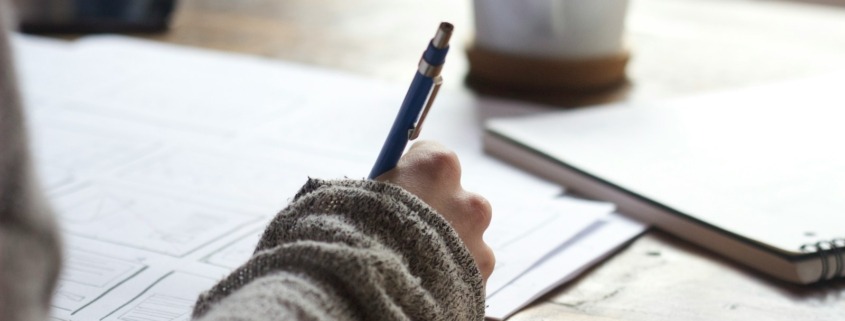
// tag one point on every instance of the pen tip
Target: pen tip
(441, 38)
(447, 27)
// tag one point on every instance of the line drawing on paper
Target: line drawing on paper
(170, 298)
(76, 150)
(236, 253)
(244, 176)
(128, 217)
(87, 276)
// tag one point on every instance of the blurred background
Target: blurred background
(678, 47)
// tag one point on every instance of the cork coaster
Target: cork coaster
(530, 74)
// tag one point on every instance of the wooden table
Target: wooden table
(679, 47)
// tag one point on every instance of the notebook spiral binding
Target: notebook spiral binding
(833, 248)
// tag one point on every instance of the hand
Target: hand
(433, 173)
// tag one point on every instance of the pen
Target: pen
(417, 101)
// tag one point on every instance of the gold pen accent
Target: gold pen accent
(415, 131)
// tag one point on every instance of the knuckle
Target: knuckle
(441, 163)
(479, 210)
(487, 261)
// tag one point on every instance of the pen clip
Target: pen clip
(414, 132)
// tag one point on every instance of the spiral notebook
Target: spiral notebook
(756, 174)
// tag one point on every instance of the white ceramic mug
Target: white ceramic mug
(567, 29)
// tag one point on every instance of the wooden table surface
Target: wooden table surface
(679, 47)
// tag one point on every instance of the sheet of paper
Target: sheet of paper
(526, 229)
(164, 164)
(565, 263)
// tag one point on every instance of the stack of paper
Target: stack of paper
(164, 164)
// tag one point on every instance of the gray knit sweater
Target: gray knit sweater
(342, 250)
(352, 250)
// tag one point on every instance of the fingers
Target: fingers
(433, 173)
(478, 211)
(434, 163)
(469, 213)
(485, 259)
(429, 171)
(476, 216)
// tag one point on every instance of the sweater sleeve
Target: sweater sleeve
(30, 253)
(352, 250)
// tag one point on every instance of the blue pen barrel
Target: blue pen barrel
(415, 100)
(435, 56)
(397, 139)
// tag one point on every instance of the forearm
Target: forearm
(357, 250)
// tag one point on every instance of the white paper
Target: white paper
(164, 165)
(527, 229)
(567, 262)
